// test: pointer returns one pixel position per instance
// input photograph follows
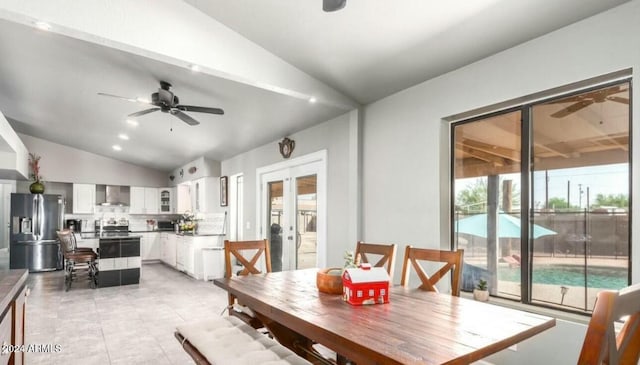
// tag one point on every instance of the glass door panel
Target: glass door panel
(580, 196)
(275, 222)
(487, 201)
(306, 216)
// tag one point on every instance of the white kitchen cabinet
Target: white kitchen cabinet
(168, 248)
(151, 200)
(143, 200)
(167, 197)
(189, 259)
(205, 194)
(212, 263)
(180, 252)
(183, 198)
(190, 255)
(84, 198)
(171, 249)
(150, 246)
(136, 203)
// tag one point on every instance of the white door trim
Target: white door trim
(321, 158)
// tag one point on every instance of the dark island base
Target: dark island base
(118, 277)
(119, 261)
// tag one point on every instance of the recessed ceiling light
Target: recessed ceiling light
(194, 68)
(123, 136)
(116, 147)
(312, 100)
(42, 25)
(132, 122)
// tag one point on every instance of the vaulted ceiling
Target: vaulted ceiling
(261, 62)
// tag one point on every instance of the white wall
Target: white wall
(203, 167)
(406, 151)
(333, 136)
(13, 153)
(66, 164)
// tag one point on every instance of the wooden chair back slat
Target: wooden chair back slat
(601, 345)
(386, 251)
(240, 250)
(452, 261)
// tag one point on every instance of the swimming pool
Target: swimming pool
(571, 275)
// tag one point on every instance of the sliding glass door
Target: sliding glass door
(542, 198)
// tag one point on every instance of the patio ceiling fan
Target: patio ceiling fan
(166, 101)
(584, 100)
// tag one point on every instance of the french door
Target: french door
(290, 219)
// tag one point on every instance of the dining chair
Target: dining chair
(451, 260)
(248, 255)
(385, 253)
(77, 258)
(601, 345)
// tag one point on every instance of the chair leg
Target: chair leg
(93, 274)
(68, 275)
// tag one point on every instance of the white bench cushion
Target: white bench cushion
(228, 340)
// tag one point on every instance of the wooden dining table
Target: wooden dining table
(415, 327)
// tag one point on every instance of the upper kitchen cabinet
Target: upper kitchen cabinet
(183, 198)
(143, 200)
(151, 200)
(204, 194)
(167, 200)
(84, 198)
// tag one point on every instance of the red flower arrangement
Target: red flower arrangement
(34, 164)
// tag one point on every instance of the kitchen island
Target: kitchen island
(119, 260)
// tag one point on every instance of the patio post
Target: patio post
(492, 231)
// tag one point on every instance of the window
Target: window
(566, 162)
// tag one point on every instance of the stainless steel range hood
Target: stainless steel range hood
(113, 195)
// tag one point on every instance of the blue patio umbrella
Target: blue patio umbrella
(508, 226)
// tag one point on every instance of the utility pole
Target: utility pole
(580, 196)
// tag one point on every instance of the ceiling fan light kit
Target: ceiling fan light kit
(167, 102)
(333, 5)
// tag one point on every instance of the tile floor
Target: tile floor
(131, 324)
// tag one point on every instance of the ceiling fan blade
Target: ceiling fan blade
(200, 109)
(184, 117)
(572, 108)
(618, 99)
(133, 100)
(143, 112)
(570, 99)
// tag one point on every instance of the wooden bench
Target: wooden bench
(228, 340)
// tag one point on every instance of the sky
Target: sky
(603, 179)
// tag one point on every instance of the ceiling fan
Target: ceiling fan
(167, 102)
(584, 100)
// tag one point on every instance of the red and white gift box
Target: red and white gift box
(365, 285)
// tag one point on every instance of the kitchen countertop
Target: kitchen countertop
(11, 282)
(89, 235)
(118, 236)
(199, 234)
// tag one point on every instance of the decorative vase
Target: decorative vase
(329, 280)
(37, 187)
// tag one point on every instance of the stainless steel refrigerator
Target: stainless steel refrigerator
(34, 245)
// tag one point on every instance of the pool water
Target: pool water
(570, 275)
